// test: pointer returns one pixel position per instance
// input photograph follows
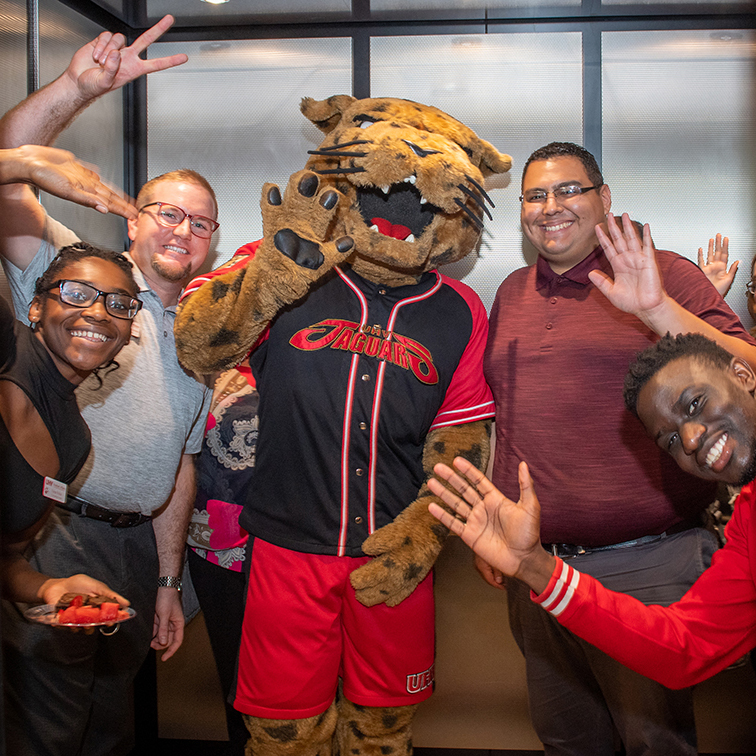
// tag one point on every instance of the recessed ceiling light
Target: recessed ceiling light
(215, 2)
(215, 46)
(727, 36)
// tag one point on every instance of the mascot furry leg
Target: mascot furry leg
(292, 737)
(359, 731)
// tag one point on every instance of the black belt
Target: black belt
(568, 550)
(93, 512)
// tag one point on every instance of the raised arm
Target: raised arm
(637, 288)
(220, 322)
(58, 172)
(679, 645)
(101, 66)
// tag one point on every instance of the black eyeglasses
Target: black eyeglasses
(172, 216)
(78, 294)
(537, 196)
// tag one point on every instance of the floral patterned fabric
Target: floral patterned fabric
(225, 469)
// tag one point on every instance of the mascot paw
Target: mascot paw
(299, 223)
(400, 565)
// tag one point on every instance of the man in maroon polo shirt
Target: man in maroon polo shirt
(562, 334)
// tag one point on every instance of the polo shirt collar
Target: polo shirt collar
(144, 287)
(138, 276)
(577, 274)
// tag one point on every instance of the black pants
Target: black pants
(66, 693)
(221, 595)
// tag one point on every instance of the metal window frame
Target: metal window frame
(591, 19)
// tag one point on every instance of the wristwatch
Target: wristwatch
(168, 581)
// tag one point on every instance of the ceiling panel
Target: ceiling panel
(202, 13)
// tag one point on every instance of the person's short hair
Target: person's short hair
(182, 174)
(80, 251)
(568, 149)
(669, 348)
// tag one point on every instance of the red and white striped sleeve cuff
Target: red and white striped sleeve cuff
(482, 411)
(560, 590)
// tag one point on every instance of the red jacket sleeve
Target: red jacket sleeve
(712, 626)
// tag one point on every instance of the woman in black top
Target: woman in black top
(81, 317)
(41, 430)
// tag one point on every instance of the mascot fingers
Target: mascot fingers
(313, 208)
(405, 552)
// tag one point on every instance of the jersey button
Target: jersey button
(366, 377)
(363, 426)
(382, 291)
(358, 520)
(359, 471)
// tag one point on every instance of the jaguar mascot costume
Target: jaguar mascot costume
(369, 366)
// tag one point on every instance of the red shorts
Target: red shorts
(304, 628)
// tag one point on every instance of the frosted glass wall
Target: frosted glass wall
(490, 83)
(232, 113)
(96, 136)
(678, 138)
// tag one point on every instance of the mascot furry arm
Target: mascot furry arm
(395, 190)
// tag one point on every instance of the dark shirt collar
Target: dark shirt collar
(577, 274)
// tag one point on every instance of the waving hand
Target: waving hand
(506, 534)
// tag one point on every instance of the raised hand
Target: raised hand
(715, 265)
(637, 285)
(60, 173)
(105, 63)
(506, 534)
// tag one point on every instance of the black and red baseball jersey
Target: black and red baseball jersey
(351, 380)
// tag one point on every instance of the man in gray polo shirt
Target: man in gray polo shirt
(125, 519)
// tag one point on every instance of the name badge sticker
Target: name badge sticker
(55, 490)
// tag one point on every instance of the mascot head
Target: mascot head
(412, 177)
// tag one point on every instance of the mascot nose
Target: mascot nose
(419, 151)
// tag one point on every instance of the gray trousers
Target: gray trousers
(578, 695)
(66, 693)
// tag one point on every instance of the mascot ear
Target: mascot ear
(492, 161)
(325, 114)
